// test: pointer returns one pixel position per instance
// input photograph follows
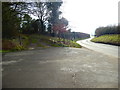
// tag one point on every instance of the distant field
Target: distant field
(108, 39)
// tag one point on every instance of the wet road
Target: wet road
(59, 68)
(106, 49)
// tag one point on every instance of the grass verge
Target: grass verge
(4, 51)
(43, 41)
(112, 39)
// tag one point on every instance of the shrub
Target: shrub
(7, 45)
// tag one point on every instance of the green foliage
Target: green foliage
(107, 30)
(18, 48)
(108, 39)
(4, 51)
(16, 18)
(10, 20)
(39, 40)
(42, 41)
(34, 40)
(60, 42)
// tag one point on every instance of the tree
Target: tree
(53, 8)
(107, 30)
(10, 20)
(16, 17)
(47, 13)
(60, 27)
(26, 24)
(39, 9)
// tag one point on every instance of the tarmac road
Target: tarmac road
(106, 49)
(59, 68)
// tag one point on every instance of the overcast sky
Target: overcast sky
(86, 15)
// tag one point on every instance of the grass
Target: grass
(43, 41)
(53, 41)
(108, 39)
(4, 51)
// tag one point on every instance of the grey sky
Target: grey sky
(87, 15)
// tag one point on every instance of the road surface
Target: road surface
(110, 50)
(59, 68)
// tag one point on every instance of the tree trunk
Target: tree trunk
(42, 26)
(20, 42)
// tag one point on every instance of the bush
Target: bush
(18, 48)
(14, 44)
(7, 44)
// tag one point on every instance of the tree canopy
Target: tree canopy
(107, 30)
(17, 18)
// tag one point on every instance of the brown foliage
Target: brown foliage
(7, 45)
